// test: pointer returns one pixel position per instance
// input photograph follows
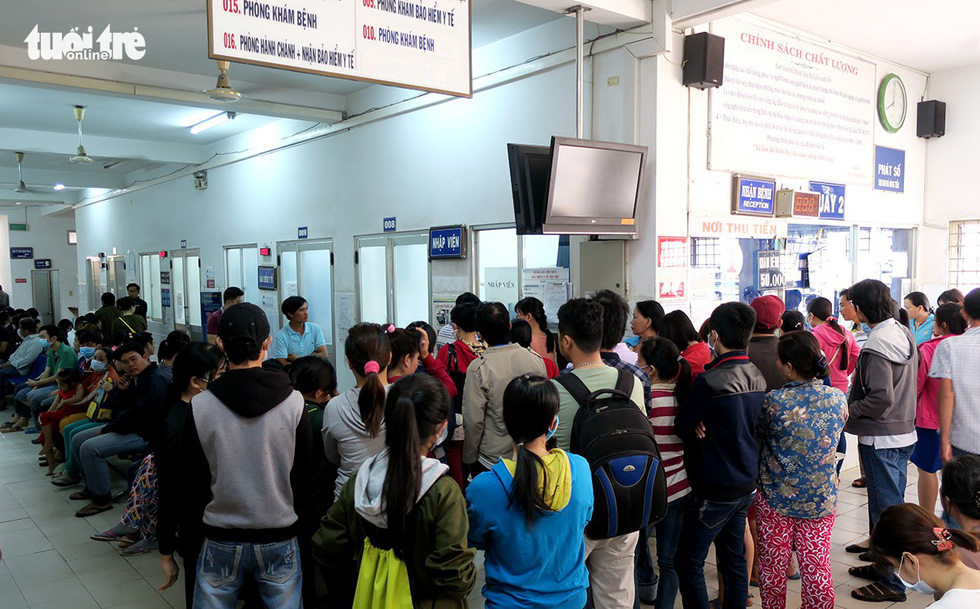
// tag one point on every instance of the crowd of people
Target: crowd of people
(559, 455)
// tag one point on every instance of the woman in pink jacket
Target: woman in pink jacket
(925, 455)
(836, 343)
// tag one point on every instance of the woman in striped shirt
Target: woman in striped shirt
(670, 378)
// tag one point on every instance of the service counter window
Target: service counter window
(503, 258)
(241, 270)
(886, 254)
(150, 283)
(964, 255)
(817, 261)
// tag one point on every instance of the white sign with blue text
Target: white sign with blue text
(831, 199)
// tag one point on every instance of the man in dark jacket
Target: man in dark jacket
(882, 415)
(129, 433)
(717, 423)
(252, 427)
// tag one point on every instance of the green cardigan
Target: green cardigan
(440, 563)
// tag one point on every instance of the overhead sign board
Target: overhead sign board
(831, 199)
(736, 226)
(753, 196)
(419, 44)
(447, 242)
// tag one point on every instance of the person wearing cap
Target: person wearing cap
(762, 347)
(252, 427)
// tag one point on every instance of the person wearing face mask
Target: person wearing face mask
(23, 357)
(85, 343)
(922, 553)
(524, 504)
(401, 515)
(37, 395)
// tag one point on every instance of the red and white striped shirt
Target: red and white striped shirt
(662, 413)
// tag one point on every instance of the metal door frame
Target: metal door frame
(195, 331)
(298, 246)
(388, 240)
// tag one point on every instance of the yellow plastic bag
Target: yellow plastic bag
(382, 581)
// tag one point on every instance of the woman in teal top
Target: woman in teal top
(921, 318)
(799, 429)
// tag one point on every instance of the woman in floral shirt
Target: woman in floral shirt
(799, 429)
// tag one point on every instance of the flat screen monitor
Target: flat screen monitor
(530, 170)
(594, 187)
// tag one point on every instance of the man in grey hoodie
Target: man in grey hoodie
(882, 415)
(246, 446)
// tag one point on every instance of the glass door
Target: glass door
(117, 275)
(185, 285)
(393, 278)
(306, 269)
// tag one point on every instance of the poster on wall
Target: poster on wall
(889, 169)
(791, 106)
(419, 44)
(672, 252)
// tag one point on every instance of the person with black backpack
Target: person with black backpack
(717, 423)
(606, 427)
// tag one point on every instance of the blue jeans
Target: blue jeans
(94, 448)
(721, 522)
(886, 471)
(646, 577)
(31, 401)
(223, 566)
(668, 537)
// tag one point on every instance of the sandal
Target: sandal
(869, 572)
(11, 429)
(106, 536)
(91, 510)
(856, 548)
(878, 593)
(65, 482)
(861, 482)
(79, 495)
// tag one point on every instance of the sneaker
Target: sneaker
(65, 482)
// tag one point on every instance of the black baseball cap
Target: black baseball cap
(244, 321)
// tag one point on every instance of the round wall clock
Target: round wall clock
(892, 103)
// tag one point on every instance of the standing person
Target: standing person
(921, 552)
(486, 439)
(796, 504)
(520, 333)
(678, 329)
(955, 364)
(300, 337)
(721, 454)
(580, 327)
(615, 312)
(4, 299)
(543, 343)
(762, 348)
(921, 316)
(837, 344)
(456, 357)
(951, 295)
(670, 377)
(128, 326)
(400, 516)
(648, 319)
(792, 321)
(860, 333)
(447, 333)
(107, 313)
(520, 507)
(353, 422)
(195, 367)
(230, 298)
(133, 291)
(949, 322)
(251, 426)
(882, 415)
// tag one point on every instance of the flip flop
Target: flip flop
(64, 482)
(79, 495)
(860, 483)
(106, 536)
(92, 510)
(877, 593)
(856, 548)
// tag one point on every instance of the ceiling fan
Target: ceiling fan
(21, 186)
(80, 155)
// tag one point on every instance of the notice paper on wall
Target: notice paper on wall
(419, 44)
(552, 293)
(791, 106)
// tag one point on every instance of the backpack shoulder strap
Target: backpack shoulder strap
(575, 387)
(625, 382)
(453, 363)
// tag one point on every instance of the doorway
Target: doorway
(306, 269)
(185, 285)
(47, 295)
(393, 278)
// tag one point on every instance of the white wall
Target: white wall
(48, 235)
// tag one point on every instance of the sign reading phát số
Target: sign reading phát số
(889, 169)
(419, 44)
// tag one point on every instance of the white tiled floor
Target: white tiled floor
(49, 561)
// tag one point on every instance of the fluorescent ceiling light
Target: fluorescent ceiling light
(59, 186)
(214, 121)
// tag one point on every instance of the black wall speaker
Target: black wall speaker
(704, 60)
(931, 119)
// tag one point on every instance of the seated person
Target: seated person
(300, 337)
(23, 356)
(38, 394)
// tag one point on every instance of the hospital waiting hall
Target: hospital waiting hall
(390, 304)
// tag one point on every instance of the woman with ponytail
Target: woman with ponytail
(921, 318)
(921, 551)
(528, 513)
(400, 516)
(543, 341)
(670, 382)
(353, 422)
(837, 344)
(795, 507)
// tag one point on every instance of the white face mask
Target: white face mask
(919, 586)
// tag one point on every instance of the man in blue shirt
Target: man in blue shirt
(300, 337)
